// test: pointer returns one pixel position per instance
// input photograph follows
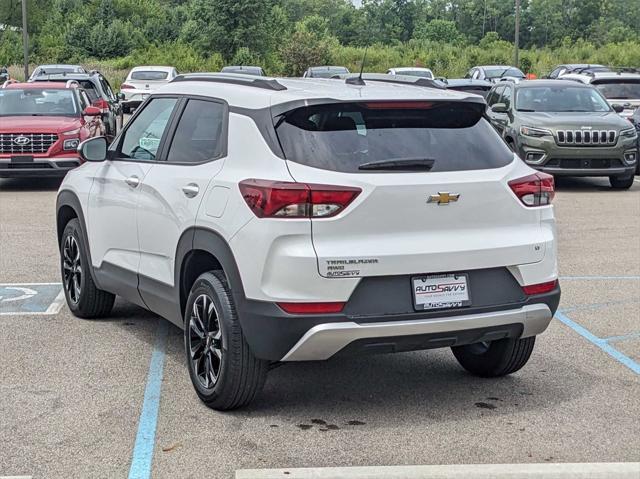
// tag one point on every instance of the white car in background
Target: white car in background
(141, 81)
(411, 71)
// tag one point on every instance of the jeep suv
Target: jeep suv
(287, 220)
(41, 126)
(564, 128)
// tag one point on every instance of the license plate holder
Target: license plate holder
(440, 291)
(22, 159)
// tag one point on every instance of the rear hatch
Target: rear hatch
(623, 91)
(148, 80)
(434, 180)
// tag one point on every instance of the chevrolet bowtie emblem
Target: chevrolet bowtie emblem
(443, 198)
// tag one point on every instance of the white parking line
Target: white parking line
(611, 470)
(56, 306)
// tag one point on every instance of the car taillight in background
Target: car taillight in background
(282, 199)
(126, 86)
(102, 104)
(534, 190)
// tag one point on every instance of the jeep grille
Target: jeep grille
(586, 137)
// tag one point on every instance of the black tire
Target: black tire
(496, 358)
(84, 299)
(621, 182)
(222, 347)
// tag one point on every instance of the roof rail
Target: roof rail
(233, 79)
(396, 79)
(626, 69)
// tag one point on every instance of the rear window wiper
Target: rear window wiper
(405, 164)
(526, 110)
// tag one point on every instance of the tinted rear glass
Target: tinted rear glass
(619, 89)
(343, 136)
(149, 75)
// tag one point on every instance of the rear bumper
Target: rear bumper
(39, 167)
(275, 335)
(621, 171)
(325, 340)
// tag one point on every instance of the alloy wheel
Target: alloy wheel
(72, 268)
(205, 341)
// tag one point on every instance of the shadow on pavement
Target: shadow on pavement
(30, 184)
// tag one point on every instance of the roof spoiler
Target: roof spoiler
(265, 83)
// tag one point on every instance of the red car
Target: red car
(41, 125)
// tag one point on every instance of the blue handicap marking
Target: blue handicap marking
(30, 298)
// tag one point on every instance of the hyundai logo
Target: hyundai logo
(21, 140)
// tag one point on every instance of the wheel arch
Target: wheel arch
(200, 250)
(68, 207)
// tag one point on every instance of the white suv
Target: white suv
(295, 220)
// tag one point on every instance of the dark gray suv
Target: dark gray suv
(564, 128)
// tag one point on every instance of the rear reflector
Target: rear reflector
(311, 308)
(540, 288)
(281, 199)
(534, 190)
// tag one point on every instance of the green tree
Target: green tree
(443, 31)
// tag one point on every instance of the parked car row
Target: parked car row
(568, 115)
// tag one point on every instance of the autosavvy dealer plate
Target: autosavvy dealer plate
(440, 291)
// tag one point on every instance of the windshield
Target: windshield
(620, 90)
(149, 75)
(38, 102)
(499, 72)
(416, 73)
(345, 136)
(560, 99)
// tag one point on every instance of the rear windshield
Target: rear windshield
(327, 72)
(149, 75)
(620, 89)
(476, 90)
(415, 73)
(500, 72)
(344, 136)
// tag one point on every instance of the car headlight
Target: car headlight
(629, 133)
(71, 132)
(71, 144)
(534, 132)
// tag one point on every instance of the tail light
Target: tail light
(126, 86)
(311, 308)
(534, 190)
(281, 199)
(540, 288)
(102, 104)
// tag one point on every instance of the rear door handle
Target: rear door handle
(133, 181)
(191, 190)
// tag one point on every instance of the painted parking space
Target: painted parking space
(30, 299)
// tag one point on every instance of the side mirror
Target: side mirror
(617, 108)
(120, 96)
(93, 149)
(92, 111)
(499, 108)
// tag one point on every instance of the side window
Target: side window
(469, 73)
(142, 138)
(555, 73)
(496, 94)
(491, 97)
(84, 100)
(200, 134)
(476, 74)
(506, 96)
(106, 87)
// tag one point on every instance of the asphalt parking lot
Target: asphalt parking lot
(85, 398)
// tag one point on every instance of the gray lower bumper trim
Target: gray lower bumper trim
(324, 340)
(628, 170)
